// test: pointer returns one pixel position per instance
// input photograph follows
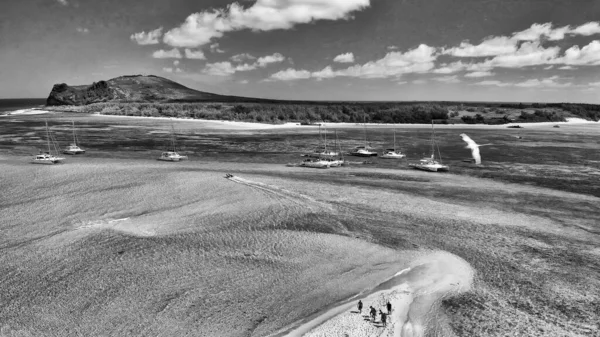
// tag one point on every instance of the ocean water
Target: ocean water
(20, 103)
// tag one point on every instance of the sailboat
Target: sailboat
(393, 153)
(172, 155)
(322, 150)
(339, 161)
(430, 164)
(73, 148)
(47, 157)
(364, 151)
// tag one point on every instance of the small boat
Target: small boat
(364, 151)
(322, 150)
(393, 153)
(172, 155)
(430, 164)
(73, 148)
(47, 158)
(316, 163)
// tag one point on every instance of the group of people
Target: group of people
(373, 312)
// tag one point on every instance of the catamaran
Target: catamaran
(322, 150)
(430, 164)
(393, 153)
(364, 151)
(47, 157)
(316, 163)
(172, 155)
(73, 148)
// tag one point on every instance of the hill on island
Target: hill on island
(134, 88)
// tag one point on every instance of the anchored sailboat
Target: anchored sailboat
(172, 155)
(364, 151)
(393, 153)
(73, 148)
(322, 149)
(430, 164)
(47, 157)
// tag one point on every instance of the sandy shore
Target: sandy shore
(412, 292)
(234, 125)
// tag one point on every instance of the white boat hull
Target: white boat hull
(74, 152)
(392, 156)
(431, 168)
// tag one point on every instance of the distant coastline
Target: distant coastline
(13, 104)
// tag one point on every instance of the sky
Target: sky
(357, 50)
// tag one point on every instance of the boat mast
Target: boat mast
(394, 140)
(48, 136)
(74, 136)
(173, 137)
(432, 140)
(365, 125)
(325, 140)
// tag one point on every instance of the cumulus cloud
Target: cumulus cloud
(450, 68)
(266, 60)
(480, 74)
(447, 79)
(215, 48)
(226, 68)
(587, 29)
(567, 68)
(242, 57)
(176, 62)
(168, 70)
(143, 38)
(549, 82)
(493, 83)
(344, 58)
(194, 54)
(63, 2)
(82, 30)
(290, 74)
(167, 54)
(393, 64)
(264, 15)
(489, 47)
(588, 55)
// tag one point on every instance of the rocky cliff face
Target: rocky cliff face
(135, 88)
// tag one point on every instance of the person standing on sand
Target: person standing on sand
(373, 313)
(383, 318)
(360, 306)
(389, 307)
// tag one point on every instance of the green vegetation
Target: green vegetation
(348, 112)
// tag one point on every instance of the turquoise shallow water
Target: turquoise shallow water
(20, 103)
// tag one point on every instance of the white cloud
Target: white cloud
(419, 82)
(344, 58)
(167, 54)
(194, 54)
(394, 64)
(537, 31)
(549, 82)
(219, 69)
(450, 68)
(176, 62)
(528, 54)
(489, 47)
(215, 48)
(326, 72)
(63, 2)
(587, 29)
(480, 74)
(143, 38)
(243, 82)
(448, 79)
(168, 70)
(548, 67)
(264, 15)
(588, 55)
(266, 60)
(567, 68)
(242, 57)
(493, 83)
(290, 74)
(177, 70)
(246, 67)
(392, 48)
(82, 30)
